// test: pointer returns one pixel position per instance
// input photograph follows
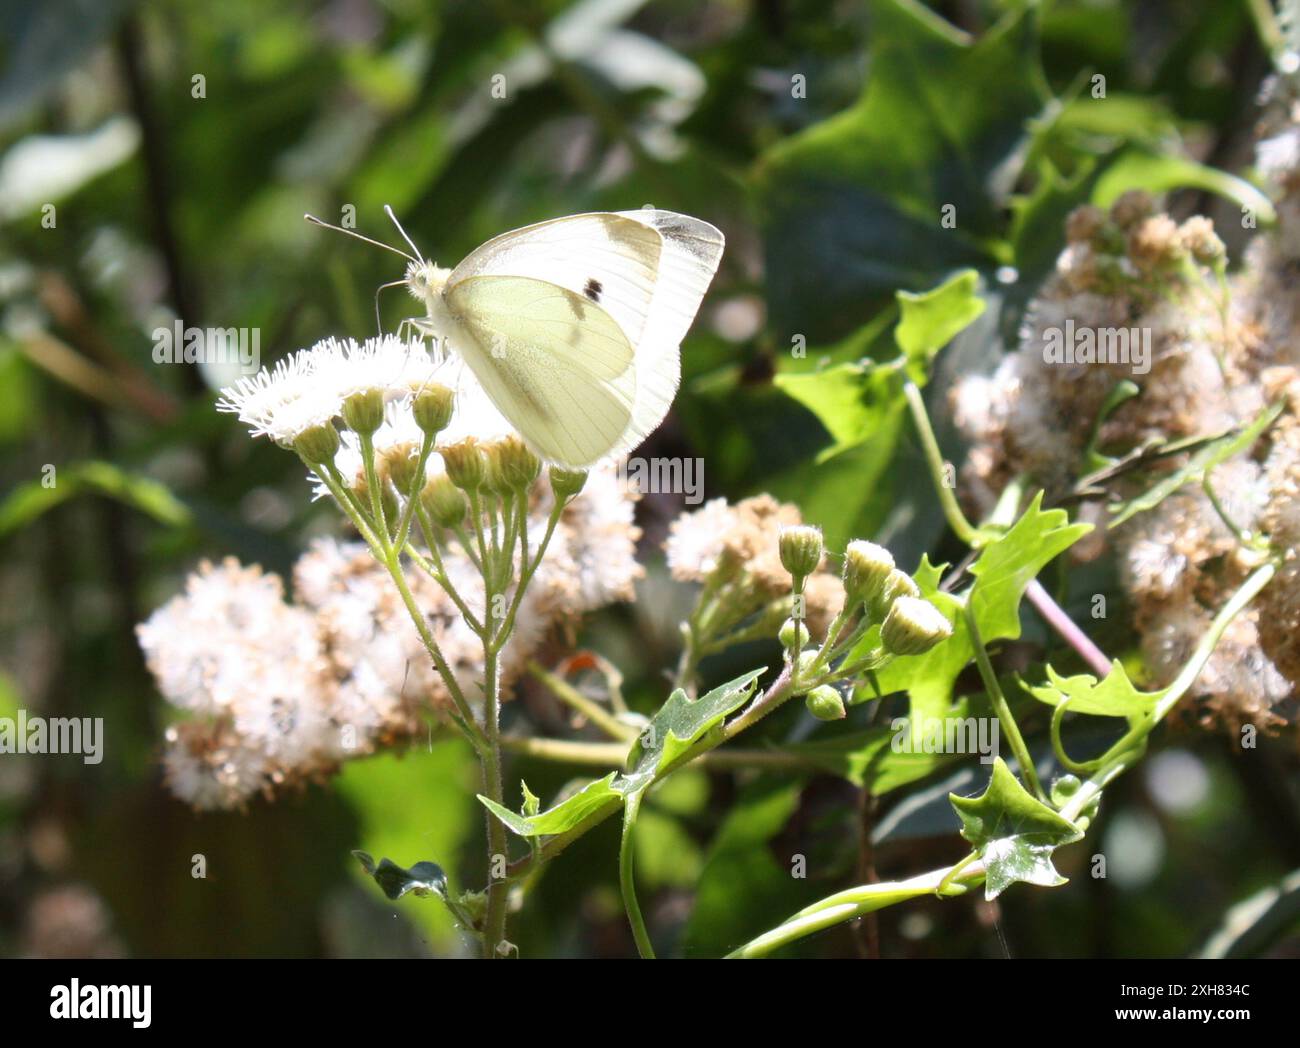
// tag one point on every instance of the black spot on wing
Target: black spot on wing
(593, 289)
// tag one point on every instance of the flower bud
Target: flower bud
(432, 407)
(444, 502)
(363, 411)
(866, 569)
(400, 462)
(788, 634)
(466, 464)
(317, 444)
(514, 463)
(897, 584)
(801, 551)
(565, 483)
(913, 626)
(825, 703)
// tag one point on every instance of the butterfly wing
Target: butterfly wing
(646, 270)
(554, 363)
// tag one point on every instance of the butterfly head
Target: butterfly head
(425, 280)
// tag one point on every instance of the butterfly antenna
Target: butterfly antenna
(353, 233)
(389, 212)
(379, 324)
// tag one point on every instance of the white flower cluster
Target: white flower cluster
(1211, 370)
(282, 692)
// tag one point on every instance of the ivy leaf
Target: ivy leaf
(1013, 833)
(564, 816)
(423, 878)
(1007, 565)
(930, 320)
(855, 402)
(1113, 696)
(1203, 461)
(847, 221)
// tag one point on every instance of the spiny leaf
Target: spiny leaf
(1013, 833)
(564, 816)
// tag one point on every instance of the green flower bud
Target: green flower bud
(787, 634)
(801, 551)
(867, 567)
(913, 626)
(363, 411)
(825, 703)
(432, 407)
(400, 462)
(466, 464)
(318, 444)
(516, 465)
(565, 483)
(444, 502)
(897, 584)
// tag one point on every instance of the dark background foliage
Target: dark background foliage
(830, 196)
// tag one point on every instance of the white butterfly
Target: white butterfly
(573, 326)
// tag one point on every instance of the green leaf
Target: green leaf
(930, 320)
(867, 759)
(852, 207)
(1013, 833)
(1139, 168)
(680, 723)
(423, 878)
(564, 816)
(29, 501)
(1007, 565)
(855, 402)
(1201, 462)
(1113, 696)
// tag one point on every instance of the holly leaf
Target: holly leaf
(1013, 833)
(423, 878)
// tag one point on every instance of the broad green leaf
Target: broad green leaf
(564, 816)
(423, 878)
(28, 501)
(868, 759)
(1006, 566)
(1113, 696)
(1202, 461)
(930, 320)
(852, 208)
(680, 723)
(1014, 833)
(855, 402)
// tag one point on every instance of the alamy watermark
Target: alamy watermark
(665, 476)
(178, 344)
(53, 735)
(953, 735)
(1098, 345)
(75, 1001)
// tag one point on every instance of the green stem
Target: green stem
(627, 879)
(574, 699)
(938, 468)
(614, 755)
(1000, 707)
